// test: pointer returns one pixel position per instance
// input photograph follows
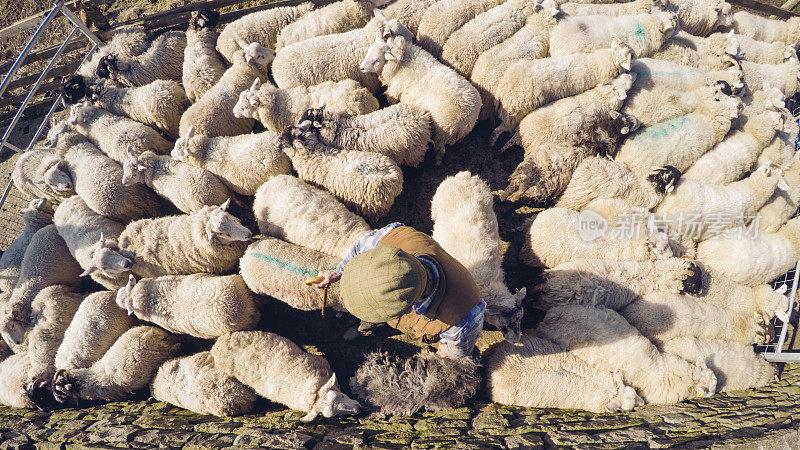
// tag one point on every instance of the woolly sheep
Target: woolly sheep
(194, 383)
(188, 187)
(43, 173)
(242, 163)
(129, 41)
(414, 76)
(645, 33)
(163, 60)
(262, 27)
(337, 17)
(279, 269)
(289, 209)
(401, 131)
(408, 12)
(655, 73)
(200, 305)
(784, 76)
(659, 103)
(365, 182)
(783, 204)
(612, 9)
(604, 340)
(37, 215)
(277, 369)
(13, 378)
(716, 52)
(465, 225)
(202, 65)
(212, 115)
(782, 150)
(126, 367)
(277, 109)
(767, 30)
(540, 374)
(442, 18)
(763, 52)
(701, 17)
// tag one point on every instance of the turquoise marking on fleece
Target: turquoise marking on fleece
(661, 130)
(285, 265)
(639, 33)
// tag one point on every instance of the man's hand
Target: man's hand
(331, 276)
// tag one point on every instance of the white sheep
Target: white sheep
(783, 204)
(212, 115)
(201, 305)
(784, 76)
(603, 339)
(277, 369)
(126, 367)
(645, 33)
(465, 225)
(242, 163)
(202, 65)
(539, 374)
(37, 215)
(442, 18)
(194, 383)
(701, 17)
(289, 209)
(652, 105)
(782, 150)
(337, 17)
(13, 378)
(188, 187)
(763, 52)
(408, 12)
(163, 60)
(612, 9)
(655, 73)
(43, 173)
(765, 29)
(279, 269)
(130, 41)
(715, 52)
(414, 76)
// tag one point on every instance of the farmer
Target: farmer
(401, 276)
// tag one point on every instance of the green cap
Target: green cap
(381, 284)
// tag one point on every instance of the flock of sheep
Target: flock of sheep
(665, 118)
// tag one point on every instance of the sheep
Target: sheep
(763, 52)
(652, 74)
(200, 305)
(784, 76)
(406, 385)
(289, 209)
(115, 135)
(277, 109)
(659, 104)
(37, 215)
(597, 177)
(334, 57)
(126, 367)
(337, 17)
(209, 241)
(202, 65)
(408, 12)
(613, 9)
(91, 240)
(277, 369)
(279, 269)
(94, 328)
(716, 52)
(765, 29)
(262, 27)
(212, 115)
(540, 374)
(194, 383)
(13, 379)
(782, 150)
(615, 284)
(702, 17)
(442, 18)
(603, 339)
(43, 173)
(414, 76)
(645, 33)
(163, 60)
(768, 255)
(681, 141)
(242, 163)
(401, 131)
(529, 84)
(47, 261)
(783, 204)
(188, 187)
(465, 225)
(365, 182)
(130, 41)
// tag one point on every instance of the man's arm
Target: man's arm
(459, 340)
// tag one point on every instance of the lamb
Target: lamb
(604, 340)
(716, 52)
(337, 17)
(763, 52)
(540, 374)
(212, 115)
(401, 132)
(202, 65)
(652, 105)
(529, 84)
(365, 182)
(43, 173)
(277, 109)
(701, 17)
(200, 305)
(277, 369)
(279, 269)
(784, 76)
(262, 27)
(242, 163)
(767, 30)
(613, 9)
(126, 367)
(681, 141)
(655, 73)
(194, 383)
(208, 241)
(163, 60)
(736, 366)
(645, 33)
(37, 215)
(442, 18)
(289, 209)
(188, 187)
(414, 76)
(783, 204)
(465, 225)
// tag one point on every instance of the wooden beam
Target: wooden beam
(56, 72)
(15, 100)
(763, 8)
(33, 110)
(78, 42)
(28, 23)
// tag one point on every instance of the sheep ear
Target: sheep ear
(520, 294)
(256, 84)
(396, 48)
(224, 205)
(379, 14)
(209, 233)
(782, 289)
(89, 270)
(614, 115)
(190, 133)
(329, 384)
(102, 239)
(141, 167)
(311, 414)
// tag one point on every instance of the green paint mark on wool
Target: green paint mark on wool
(285, 265)
(639, 33)
(661, 130)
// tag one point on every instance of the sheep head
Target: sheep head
(625, 397)
(124, 297)
(133, 171)
(107, 260)
(508, 320)
(225, 227)
(257, 54)
(57, 178)
(182, 148)
(204, 18)
(246, 106)
(376, 3)
(37, 205)
(724, 16)
(622, 53)
(95, 90)
(772, 302)
(670, 26)
(331, 402)
(622, 84)
(73, 89)
(106, 66)
(664, 179)
(386, 47)
(704, 378)
(624, 123)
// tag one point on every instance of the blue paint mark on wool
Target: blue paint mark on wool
(285, 265)
(661, 130)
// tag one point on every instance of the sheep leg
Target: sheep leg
(40, 394)
(65, 386)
